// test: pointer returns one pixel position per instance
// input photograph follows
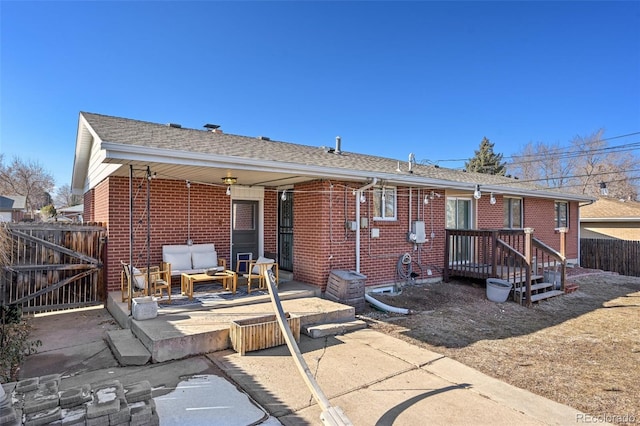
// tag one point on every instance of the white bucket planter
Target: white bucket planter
(498, 290)
(144, 308)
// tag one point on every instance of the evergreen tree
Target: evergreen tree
(486, 161)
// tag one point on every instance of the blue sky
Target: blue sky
(390, 78)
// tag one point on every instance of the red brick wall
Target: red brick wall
(89, 208)
(323, 244)
(490, 216)
(311, 233)
(540, 214)
(271, 220)
(209, 220)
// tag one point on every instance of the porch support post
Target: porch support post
(130, 284)
(528, 234)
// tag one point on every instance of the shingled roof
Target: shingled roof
(12, 202)
(139, 135)
(610, 209)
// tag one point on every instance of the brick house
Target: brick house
(315, 209)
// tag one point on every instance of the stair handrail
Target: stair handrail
(553, 252)
(527, 267)
(558, 256)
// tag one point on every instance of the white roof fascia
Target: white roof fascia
(84, 142)
(116, 152)
(610, 219)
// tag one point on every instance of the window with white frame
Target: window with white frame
(512, 212)
(562, 214)
(384, 203)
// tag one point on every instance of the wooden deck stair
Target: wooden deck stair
(513, 255)
(540, 290)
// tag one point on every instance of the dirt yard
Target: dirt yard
(581, 349)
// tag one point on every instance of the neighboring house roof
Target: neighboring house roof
(104, 144)
(610, 210)
(13, 202)
(79, 208)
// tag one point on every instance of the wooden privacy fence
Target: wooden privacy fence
(619, 256)
(51, 266)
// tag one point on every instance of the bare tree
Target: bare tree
(27, 178)
(65, 198)
(601, 165)
(542, 163)
(584, 167)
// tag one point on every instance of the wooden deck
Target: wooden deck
(512, 255)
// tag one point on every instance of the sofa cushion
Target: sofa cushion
(204, 259)
(178, 261)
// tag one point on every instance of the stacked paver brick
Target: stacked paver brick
(38, 401)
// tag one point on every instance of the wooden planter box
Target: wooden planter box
(254, 334)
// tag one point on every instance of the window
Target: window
(458, 213)
(512, 212)
(562, 214)
(384, 203)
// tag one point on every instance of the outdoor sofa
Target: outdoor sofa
(191, 259)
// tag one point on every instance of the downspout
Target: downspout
(358, 194)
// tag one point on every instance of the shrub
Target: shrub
(14, 343)
(14, 331)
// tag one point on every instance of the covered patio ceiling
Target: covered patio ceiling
(214, 175)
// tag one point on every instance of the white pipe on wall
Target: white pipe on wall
(358, 194)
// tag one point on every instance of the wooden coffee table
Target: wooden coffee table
(228, 278)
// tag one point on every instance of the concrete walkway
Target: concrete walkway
(380, 380)
(374, 378)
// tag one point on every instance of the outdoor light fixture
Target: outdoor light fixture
(492, 200)
(426, 199)
(477, 194)
(363, 198)
(284, 195)
(229, 180)
(229, 190)
(603, 189)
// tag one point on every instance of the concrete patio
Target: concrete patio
(182, 331)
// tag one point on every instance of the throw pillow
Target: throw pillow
(139, 279)
(262, 261)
